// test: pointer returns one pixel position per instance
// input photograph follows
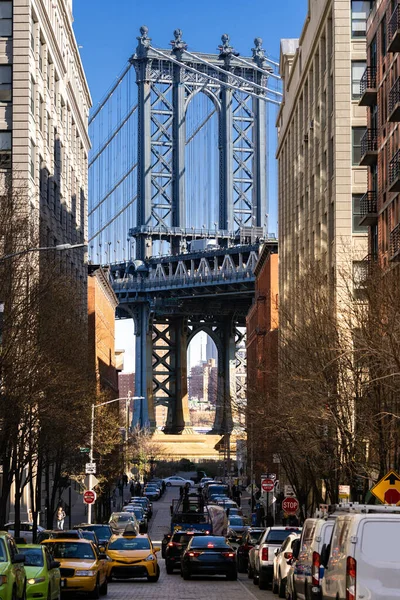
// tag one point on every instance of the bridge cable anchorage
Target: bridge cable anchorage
(242, 79)
(218, 81)
(112, 136)
(110, 93)
(122, 179)
(113, 218)
(254, 66)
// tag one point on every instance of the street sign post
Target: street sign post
(387, 490)
(90, 468)
(89, 497)
(290, 506)
(267, 485)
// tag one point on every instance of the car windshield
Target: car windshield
(277, 536)
(3, 554)
(102, 531)
(122, 518)
(130, 544)
(72, 550)
(33, 557)
(238, 521)
(209, 542)
(217, 490)
(138, 512)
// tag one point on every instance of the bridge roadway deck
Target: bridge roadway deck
(173, 587)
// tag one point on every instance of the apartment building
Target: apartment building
(380, 145)
(44, 109)
(320, 126)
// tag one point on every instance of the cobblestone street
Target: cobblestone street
(173, 587)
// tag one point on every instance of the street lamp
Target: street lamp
(127, 400)
(43, 249)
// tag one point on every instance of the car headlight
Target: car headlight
(3, 579)
(36, 580)
(150, 557)
(85, 573)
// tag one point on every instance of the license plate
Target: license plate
(63, 583)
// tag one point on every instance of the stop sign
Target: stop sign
(267, 485)
(290, 506)
(392, 496)
(89, 497)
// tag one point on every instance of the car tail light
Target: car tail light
(194, 554)
(287, 555)
(316, 563)
(264, 554)
(351, 578)
(176, 544)
(228, 554)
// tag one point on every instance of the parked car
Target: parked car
(209, 555)
(26, 530)
(138, 511)
(204, 480)
(362, 559)
(175, 480)
(42, 572)
(305, 580)
(145, 502)
(249, 540)
(12, 572)
(152, 492)
(264, 553)
(281, 565)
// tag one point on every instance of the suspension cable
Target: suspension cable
(257, 68)
(112, 136)
(113, 218)
(110, 93)
(216, 80)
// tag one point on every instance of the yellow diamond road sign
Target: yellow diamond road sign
(387, 490)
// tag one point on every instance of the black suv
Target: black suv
(176, 547)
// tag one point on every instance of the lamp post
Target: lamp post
(94, 406)
(43, 249)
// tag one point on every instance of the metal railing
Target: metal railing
(394, 96)
(395, 242)
(368, 80)
(394, 168)
(369, 141)
(393, 24)
(368, 203)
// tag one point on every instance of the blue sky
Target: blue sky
(106, 31)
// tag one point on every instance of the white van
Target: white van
(362, 560)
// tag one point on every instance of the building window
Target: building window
(357, 71)
(5, 19)
(32, 97)
(383, 37)
(357, 215)
(33, 37)
(357, 133)
(5, 150)
(33, 160)
(48, 129)
(360, 10)
(41, 110)
(5, 83)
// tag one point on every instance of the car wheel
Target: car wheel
(281, 588)
(240, 565)
(232, 576)
(250, 573)
(186, 574)
(96, 592)
(168, 484)
(154, 578)
(169, 568)
(275, 587)
(262, 583)
(104, 588)
(255, 579)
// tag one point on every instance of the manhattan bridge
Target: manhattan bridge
(178, 207)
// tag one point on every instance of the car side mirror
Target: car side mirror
(55, 564)
(296, 548)
(156, 549)
(325, 552)
(19, 558)
(277, 551)
(103, 556)
(102, 549)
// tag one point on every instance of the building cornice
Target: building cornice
(105, 285)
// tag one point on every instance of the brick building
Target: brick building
(380, 145)
(262, 358)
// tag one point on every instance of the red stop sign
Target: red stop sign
(290, 506)
(89, 497)
(392, 496)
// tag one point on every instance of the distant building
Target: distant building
(203, 382)
(126, 385)
(211, 349)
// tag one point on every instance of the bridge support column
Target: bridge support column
(226, 391)
(178, 417)
(144, 414)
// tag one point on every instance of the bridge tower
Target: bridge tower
(173, 297)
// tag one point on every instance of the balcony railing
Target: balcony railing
(394, 173)
(393, 30)
(395, 243)
(394, 102)
(368, 90)
(369, 147)
(369, 208)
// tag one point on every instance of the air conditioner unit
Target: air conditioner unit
(305, 138)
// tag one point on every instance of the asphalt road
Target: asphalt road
(173, 587)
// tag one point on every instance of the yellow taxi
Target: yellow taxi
(82, 567)
(132, 555)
